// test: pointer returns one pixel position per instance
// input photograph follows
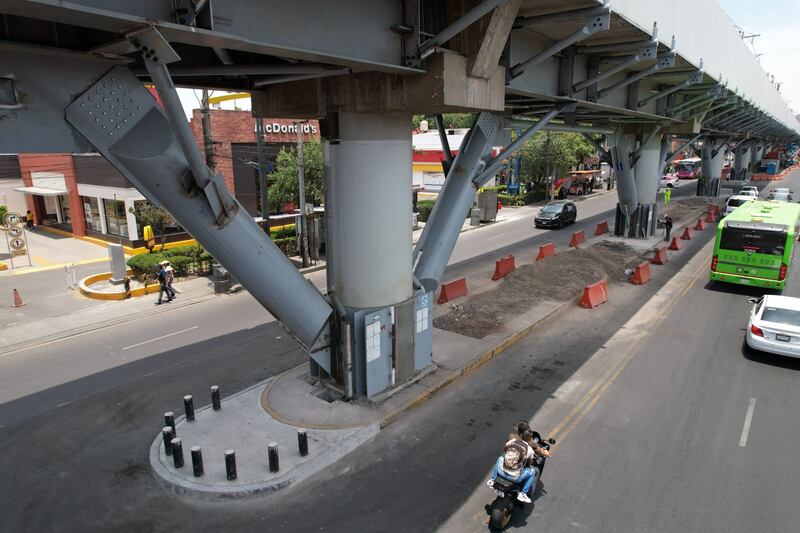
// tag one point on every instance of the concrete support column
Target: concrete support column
(371, 209)
(741, 161)
(713, 159)
(621, 148)
(756, 154)
(647, 170)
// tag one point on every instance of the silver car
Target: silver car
(774, 325)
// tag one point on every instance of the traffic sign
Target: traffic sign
(12, 219)
(17, 244)
(15, 231)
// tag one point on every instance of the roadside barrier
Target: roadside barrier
(687, 234)
(578, 237)
(713, 208)
(230, 464)
(546, 250)
(660, 257)
(594, 294)
(676, 244)
(641, 274)
(168, 434)
(18, 299)
(503, 267)
(188, 406)
(451, 291)
(272, 455)
(700, 226)
(177, 452)
(711, 217)
(197, 461)
(215, 401)
(601, 228)
(302, 442)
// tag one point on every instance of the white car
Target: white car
(749, 191)
(774, 325)
(669, 181)
(735, 201)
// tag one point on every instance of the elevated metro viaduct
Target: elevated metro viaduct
(639, 72)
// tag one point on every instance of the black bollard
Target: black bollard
(230, 464)
(272, 453)
(197, 461)
(177, 452)
(169, 420)
(168, 435)
(188, 405)
(215, 398)
(302, 442)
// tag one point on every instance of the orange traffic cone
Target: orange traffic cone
(18, 299)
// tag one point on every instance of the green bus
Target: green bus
(754, 244)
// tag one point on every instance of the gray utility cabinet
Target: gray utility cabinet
(487, 203)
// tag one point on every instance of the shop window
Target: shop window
(92, 209)
(116, 221)
(63, 205)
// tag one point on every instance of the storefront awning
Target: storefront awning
(41, 191)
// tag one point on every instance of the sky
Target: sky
(778, 22)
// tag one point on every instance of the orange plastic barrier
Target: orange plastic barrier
(713, 208)
(700, 226)
(660, 257)
(711, 218)
(451, 291)
(546, 250)
(578, 237)
(675, 244)
(641, 274)
(594, 294)
(503, 267)
(601, 228)
(687, 234)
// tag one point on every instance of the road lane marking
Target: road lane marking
(748, 419)
(585, 404)
(497, 236)
(161, 337)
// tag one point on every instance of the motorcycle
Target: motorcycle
(506, 491)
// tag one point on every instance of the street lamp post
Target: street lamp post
(302, 192)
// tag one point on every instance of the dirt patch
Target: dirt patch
(558, 278)
(682, 208)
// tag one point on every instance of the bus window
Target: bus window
(753, 241)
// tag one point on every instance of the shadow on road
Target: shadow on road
(764, 358)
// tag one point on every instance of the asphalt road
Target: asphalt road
(659, 448)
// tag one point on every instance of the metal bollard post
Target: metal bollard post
(272, 453)
(230, 464)
(169, 420)
(168, 435)
(197, 461)
(177, 452)
(215, 401)
(302, 442)
(188, 405)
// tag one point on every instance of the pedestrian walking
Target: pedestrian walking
(161, 276)
(667, 226)
(667, 195)
(170, 278)
(29, 221)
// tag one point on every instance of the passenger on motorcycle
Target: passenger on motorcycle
(511, 466)
(524, 432)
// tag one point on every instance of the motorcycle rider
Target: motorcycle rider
(511, 466)
(523, 431)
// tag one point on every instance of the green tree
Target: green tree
(451, 120)
(562, 153)
(285, 187)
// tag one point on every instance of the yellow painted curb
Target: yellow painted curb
(126, 249)
(84, 284)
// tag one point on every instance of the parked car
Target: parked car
(774, 325)
(784, 190)
(735, 201)
(556, 214)
(746, 188)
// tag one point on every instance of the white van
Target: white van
(735, 201)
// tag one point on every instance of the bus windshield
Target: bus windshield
(753, 240)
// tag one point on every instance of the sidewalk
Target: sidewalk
(274, 411)
(51, 251)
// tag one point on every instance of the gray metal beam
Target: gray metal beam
(694, 78)
(272, 80)
(570, 128)
(596, 23)
(448, 153)
(664, 61)
(672, 155)
(562, 16)
(458, 26)
(243, 70)
(628, 62)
